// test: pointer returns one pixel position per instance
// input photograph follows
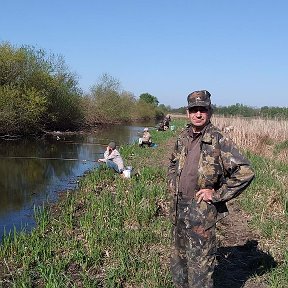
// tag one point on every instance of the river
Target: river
(34, 171)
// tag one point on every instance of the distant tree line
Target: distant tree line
(245, 111)
(38, 93)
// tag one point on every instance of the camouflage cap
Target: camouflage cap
(199, 98)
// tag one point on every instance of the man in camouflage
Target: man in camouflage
(206, 170)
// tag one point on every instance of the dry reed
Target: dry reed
(255, 134)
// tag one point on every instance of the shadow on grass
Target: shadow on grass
(236, 264)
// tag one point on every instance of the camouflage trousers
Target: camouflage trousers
(194, 245)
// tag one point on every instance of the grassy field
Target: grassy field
(115, 232)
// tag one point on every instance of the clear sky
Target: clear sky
(237, 50)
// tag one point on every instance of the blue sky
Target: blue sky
(235, 49)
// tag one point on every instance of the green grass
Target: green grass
(266, 201)
(280, 147)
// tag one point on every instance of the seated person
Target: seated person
(112, 158)
(166, 121)
(162, 126)
(146, 138)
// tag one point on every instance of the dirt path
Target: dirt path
(240, 262)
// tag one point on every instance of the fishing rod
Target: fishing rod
(81, 143)
(47, 158)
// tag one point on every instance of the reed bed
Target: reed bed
(266, 137)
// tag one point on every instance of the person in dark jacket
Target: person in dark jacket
(206, 171)
(165, 123)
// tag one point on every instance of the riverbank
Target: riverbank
(115, 232)
(111, 232)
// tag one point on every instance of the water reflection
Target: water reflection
(33, 171)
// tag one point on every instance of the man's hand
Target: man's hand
(101, 160)
(205, 195)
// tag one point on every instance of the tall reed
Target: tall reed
(260, 136)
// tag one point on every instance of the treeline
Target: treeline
(38, 93)
(245, 111)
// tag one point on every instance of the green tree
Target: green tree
(148, 98)
(37, 91)
(144, 111)
(106, 103)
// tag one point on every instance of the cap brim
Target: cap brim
(198, 104)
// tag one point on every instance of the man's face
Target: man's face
(199, 117)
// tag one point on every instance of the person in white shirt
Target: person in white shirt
(146, 138)
(112, 158)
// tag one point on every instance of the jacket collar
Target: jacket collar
(206, 135)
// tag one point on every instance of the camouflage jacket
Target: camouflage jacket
(221, 166)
